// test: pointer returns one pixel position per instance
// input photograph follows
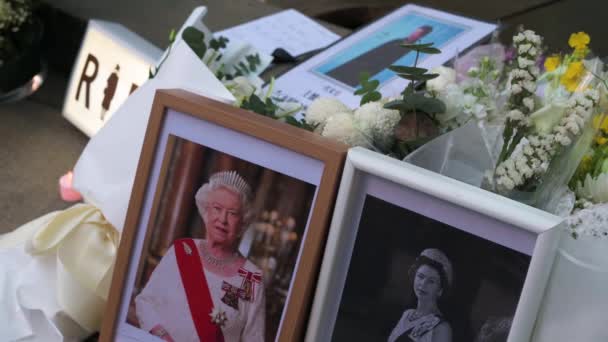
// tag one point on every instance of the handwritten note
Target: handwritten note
(289, 29)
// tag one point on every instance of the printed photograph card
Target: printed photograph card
(335, 72)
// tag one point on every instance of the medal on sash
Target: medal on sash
(231, 295)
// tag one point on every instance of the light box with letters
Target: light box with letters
(112, 63)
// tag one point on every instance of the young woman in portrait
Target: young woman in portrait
(431, 279)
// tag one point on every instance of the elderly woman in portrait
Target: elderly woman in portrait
(432, 277)
(205, 290)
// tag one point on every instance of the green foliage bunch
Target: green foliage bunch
(14, 15)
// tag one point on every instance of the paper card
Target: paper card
(335, 72)
(289, 29)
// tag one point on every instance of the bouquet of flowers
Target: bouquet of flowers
(544, 107)
(392, 125)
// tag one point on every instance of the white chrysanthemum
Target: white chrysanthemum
(322, 108)
(446, 76)
(594, 189)
(341, 126)
(378, 122)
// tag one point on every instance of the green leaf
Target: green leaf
(424, 77)
(218, 43)
(372, 85)
(418, 102)
(364, 76)
(370, 97)
(196, 40)
(172, 35)
(360, 91)
(417, 46)
(255, 104)
(396, 104)
(430, 50)
(401, 69)
(428, 105)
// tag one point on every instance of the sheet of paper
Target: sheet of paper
(335, 71)
(289, 29)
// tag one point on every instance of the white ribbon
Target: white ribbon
(55, 273)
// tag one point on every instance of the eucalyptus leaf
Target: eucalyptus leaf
(196, 40)
(218, 43)
(429, 50)
(428, 105)
(360, 91)
(412, 77)
(417, 47)
(371, 97)
(364, 76)
(401, 69)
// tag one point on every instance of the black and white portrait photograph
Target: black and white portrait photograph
(412, 278)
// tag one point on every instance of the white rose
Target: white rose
(446, 76)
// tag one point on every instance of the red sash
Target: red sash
(197, 290)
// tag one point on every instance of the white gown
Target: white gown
(163, 301)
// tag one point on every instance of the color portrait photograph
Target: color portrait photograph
(412, 278)
(383, 48)
(220, 250)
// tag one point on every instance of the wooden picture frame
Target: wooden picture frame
(389, 212)
(183, 130)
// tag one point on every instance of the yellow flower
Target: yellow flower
(573, 75)
(579, 40)
(551, 63)
(586, 161)
(601, 140)
(603, 120)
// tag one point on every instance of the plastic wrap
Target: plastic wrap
(575, 304)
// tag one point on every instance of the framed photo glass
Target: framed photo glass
(416, 256)
(225, 226)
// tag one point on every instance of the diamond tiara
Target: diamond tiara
(231, 179)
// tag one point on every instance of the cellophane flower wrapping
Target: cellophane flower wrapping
(574, 304)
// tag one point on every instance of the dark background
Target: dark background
(487, 277)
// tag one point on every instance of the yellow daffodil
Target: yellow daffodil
(601, 140)
(551, 63)
(579, 40)
(601, 122)
(573, 75)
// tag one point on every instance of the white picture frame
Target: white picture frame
(518, 226)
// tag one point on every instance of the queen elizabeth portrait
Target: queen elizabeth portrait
(431, 277)
(205, 290)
